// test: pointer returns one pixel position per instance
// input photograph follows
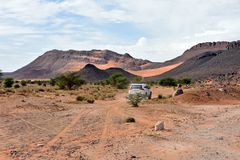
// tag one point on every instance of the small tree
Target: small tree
(185, 81)
(168, 82)
(23, 83)
(138, 79)
(119, 81)
(68, 81)
(135, 99)
(52, 82)
(8, 83)
(1, 74)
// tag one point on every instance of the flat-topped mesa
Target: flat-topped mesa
(234, 45)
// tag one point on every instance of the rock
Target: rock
(178, 92)
(159, 126)
(40, 145)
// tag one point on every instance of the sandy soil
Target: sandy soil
(154, 72)
(49, 127)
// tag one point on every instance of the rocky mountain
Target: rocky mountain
(54, 62)
(212, 64)
(199, 49)
(91, 73)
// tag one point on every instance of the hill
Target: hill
(91, 73)
(209, 64)
(54, 62)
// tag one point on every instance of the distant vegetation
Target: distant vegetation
(119, 81)
(137, 79)
(185, 81)
(8, 83)
(68, 81)
(174, 82)
(1, 74)
(168, 82)
(23, 83)
(116, 80)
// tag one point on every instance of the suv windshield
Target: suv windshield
(136, 87)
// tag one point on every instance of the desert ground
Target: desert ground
(49, 124)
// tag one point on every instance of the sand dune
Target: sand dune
(154, 72)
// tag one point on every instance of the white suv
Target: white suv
(141, 88)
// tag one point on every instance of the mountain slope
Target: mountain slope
(208, 64)
(54, 62)
(91, 73)
(199, 49)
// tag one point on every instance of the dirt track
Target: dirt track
(99, 131)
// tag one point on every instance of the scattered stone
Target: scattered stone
(40, 145)
(133, 157)
(159, 126)
(208, 94)
(14, 153)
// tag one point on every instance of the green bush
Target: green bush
(1, 74)
(135, 99)
(68, 81)
(41, 90)
(168, 82)
(160, 96)
(23, 83)
(119, 81)
(39, 83)
(137, 79)
(151, 83)
(185, 81)
(8, 82)
(52, 82)
(90, 100)
(130, 120)
(80, 98)
(16, 86)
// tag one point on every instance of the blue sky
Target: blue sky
(157, 30)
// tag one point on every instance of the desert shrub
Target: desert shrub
(29, 81)
(130, 120)
(16, 81)
(160, 96)
(135, 99)
(68, 81)
(8, 82)
(168, 82)
(138, 79)
(41, 90)
(90, 101)
(1, 74)
(119, 81)
(151, 83)
(185, 81)
(16, 86)
(23, 83)
(44, 85)
(80, 98)
(39, 83)
(52, 82)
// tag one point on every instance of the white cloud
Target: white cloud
(166, 28)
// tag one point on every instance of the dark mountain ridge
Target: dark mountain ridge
(91, 73)
(208, 64)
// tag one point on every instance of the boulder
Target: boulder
(178, 92)
(159, 126)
